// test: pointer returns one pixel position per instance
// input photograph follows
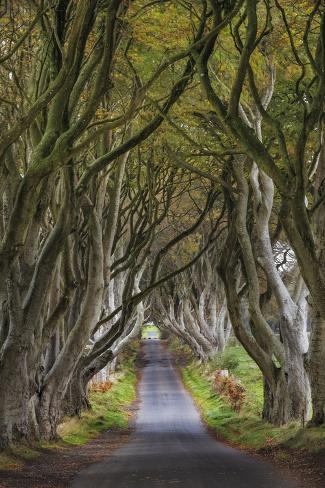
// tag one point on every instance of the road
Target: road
(170, 446)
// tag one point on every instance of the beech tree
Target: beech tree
(66, 123)
(153, 157)
(193, 307)
(250, 120)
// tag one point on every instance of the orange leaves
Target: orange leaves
(228, 387)
(101, 386)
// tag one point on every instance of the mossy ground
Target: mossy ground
(245, 428)
(109, 411)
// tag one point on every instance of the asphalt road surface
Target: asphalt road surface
(170, 447)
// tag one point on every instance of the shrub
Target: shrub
(226, 360)
(228, 387)
(230, 360)
(101, 386)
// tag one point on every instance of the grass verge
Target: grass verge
(246, 428)
(109, 411)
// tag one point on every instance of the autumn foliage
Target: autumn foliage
(228, 387)
(101, 386)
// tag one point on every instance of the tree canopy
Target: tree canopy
(160, 160)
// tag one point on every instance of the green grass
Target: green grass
(109, 410)
(245, 428)
(147, 330)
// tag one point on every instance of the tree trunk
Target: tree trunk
(14, 393)
(276, 406)
(317, 344)
(56, 382)
(76, 399)
(15, 376)
(316, 368)
(48, 416)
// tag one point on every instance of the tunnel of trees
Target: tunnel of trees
(160, 161)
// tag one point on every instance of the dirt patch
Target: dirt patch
(55, 468)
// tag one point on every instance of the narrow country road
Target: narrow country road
(170, 446)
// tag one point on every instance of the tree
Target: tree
(289, 150)
(66, 124)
